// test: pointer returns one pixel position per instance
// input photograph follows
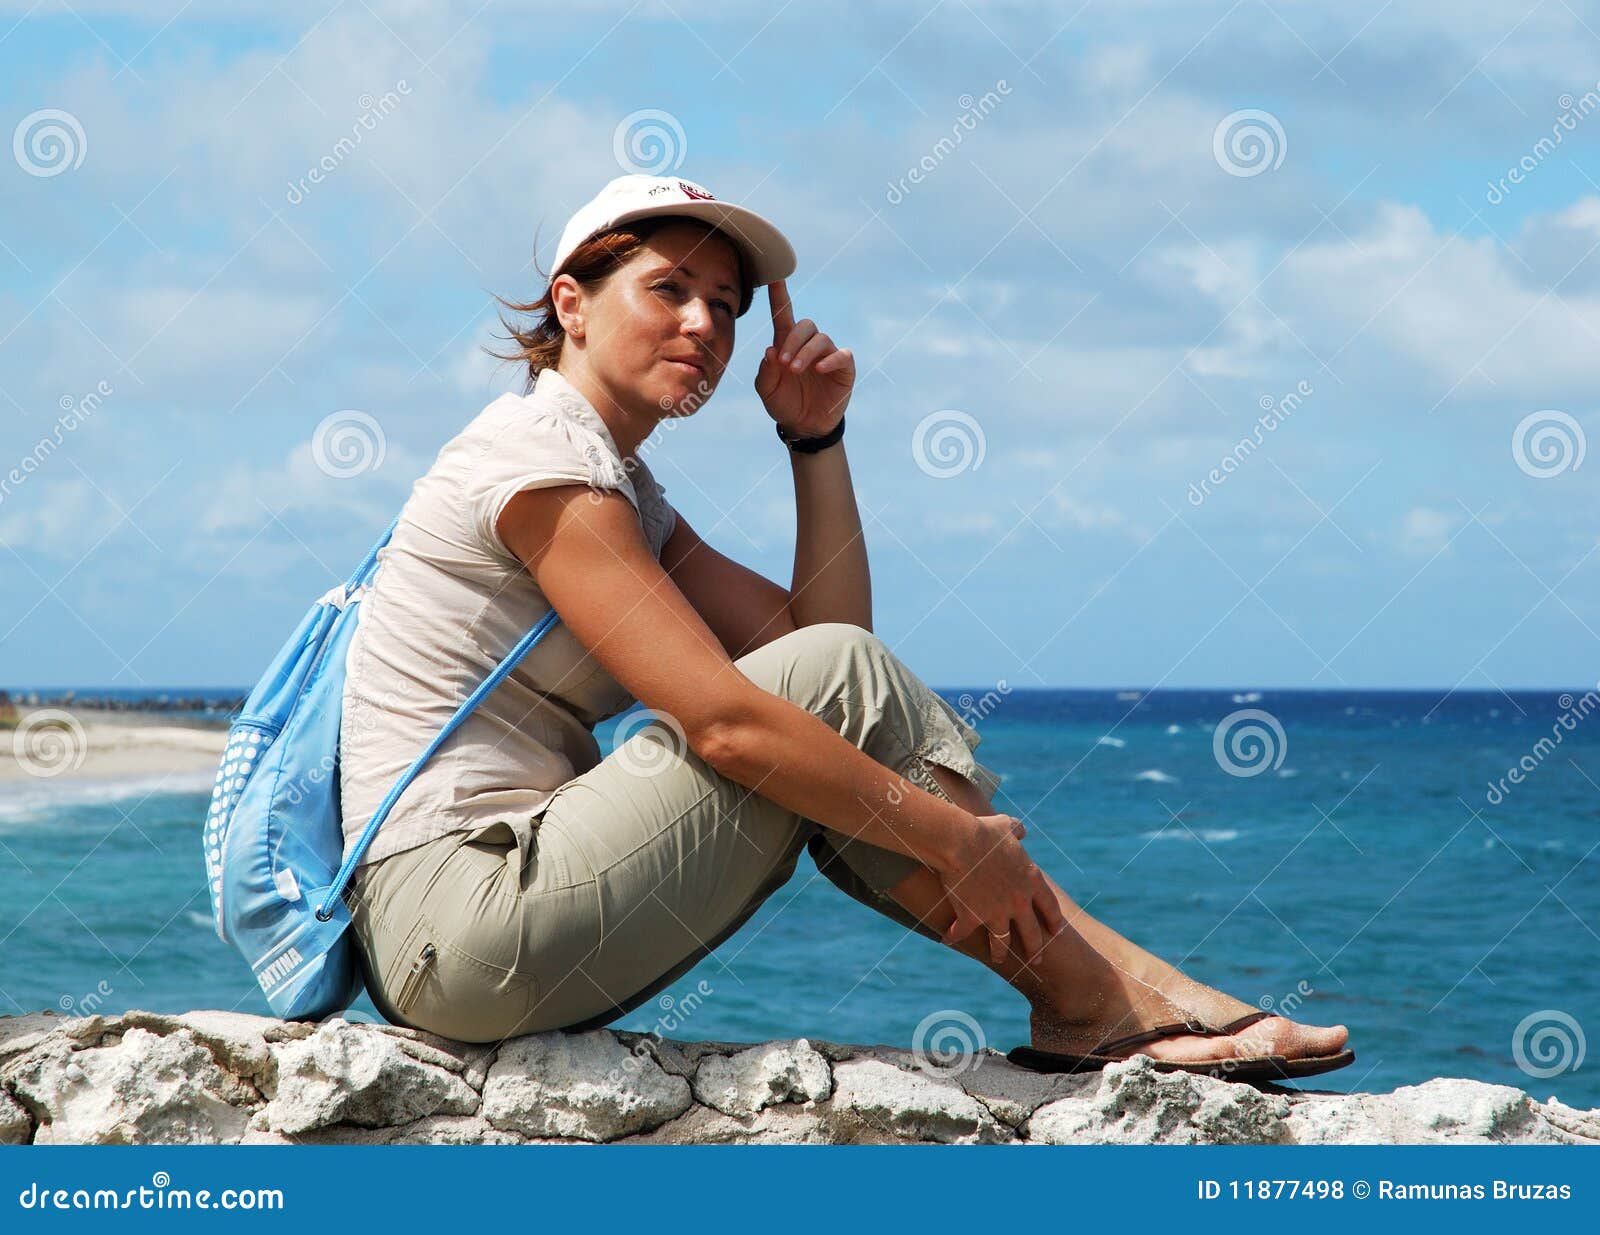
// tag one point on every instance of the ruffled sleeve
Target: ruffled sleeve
(538, 450)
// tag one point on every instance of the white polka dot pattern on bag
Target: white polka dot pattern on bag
(238, 761)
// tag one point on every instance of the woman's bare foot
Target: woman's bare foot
(1120, 1004)
(1275, 1035)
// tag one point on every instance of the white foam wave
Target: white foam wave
(28, 802)
(1212, 836)
(1156, 775)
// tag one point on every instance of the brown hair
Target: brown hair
(538, 344)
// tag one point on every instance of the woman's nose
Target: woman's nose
(698, 319)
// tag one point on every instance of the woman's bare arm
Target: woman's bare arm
(587, 551)
(831, 582)
(588, 554)
(831, 579)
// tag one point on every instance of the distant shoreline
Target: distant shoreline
(220, 703)
(48, 745)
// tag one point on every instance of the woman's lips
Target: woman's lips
(689, 365)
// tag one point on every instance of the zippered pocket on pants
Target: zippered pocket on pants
(414, 978)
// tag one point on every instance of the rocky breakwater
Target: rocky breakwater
(221, 1077)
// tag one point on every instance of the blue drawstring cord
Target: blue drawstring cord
(501, 672)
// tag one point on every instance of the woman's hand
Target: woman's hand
(996, 886)
(804, 380)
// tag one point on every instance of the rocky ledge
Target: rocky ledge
(223, 1077)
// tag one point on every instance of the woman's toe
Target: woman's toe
(1278, 1036)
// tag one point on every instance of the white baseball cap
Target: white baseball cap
(768, 254)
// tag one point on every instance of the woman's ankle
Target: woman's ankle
(1083, 990)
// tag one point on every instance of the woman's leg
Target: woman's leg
(1090, 984)
(641, 866)
(676, 857)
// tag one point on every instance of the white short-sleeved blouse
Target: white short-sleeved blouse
(449, 601)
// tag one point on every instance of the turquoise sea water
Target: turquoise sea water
(1366, 876)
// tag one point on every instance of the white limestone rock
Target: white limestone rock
(1012, 1093)
(345, 1073)
(1134, 1104)
(140, 1088)
(774, 1072)
(876, 1101)
(586, 1086)
(219, 1077)
(16, 1125)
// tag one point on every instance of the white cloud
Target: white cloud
(1425, 531)
(245, 495)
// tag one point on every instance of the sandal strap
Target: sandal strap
(1192, 1026)
(1248, 1019)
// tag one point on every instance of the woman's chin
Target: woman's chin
(684, 396)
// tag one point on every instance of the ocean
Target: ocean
(1421, 866)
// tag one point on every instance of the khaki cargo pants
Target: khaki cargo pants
(637, 869)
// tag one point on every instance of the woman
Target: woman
(524, 884)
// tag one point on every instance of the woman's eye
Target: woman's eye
(725, 305)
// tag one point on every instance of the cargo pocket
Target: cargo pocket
(445, 991)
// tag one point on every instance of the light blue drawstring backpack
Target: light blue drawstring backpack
(274, 835)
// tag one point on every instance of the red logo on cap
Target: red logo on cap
(699, 194)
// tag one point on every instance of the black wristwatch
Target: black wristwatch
(810, 445)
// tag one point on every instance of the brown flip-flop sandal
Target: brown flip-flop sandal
(1247, 1068)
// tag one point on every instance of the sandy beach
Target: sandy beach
(52, 745)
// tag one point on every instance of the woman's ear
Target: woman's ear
(567, 298)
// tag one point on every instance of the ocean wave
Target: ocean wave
(29, 802)
(1156, 775)
(1174, 728)
(1107, 740)
(1212, 836)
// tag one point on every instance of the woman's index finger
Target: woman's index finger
(782, 310)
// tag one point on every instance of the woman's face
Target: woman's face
(659, 333)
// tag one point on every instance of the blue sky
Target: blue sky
(1091, 292)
